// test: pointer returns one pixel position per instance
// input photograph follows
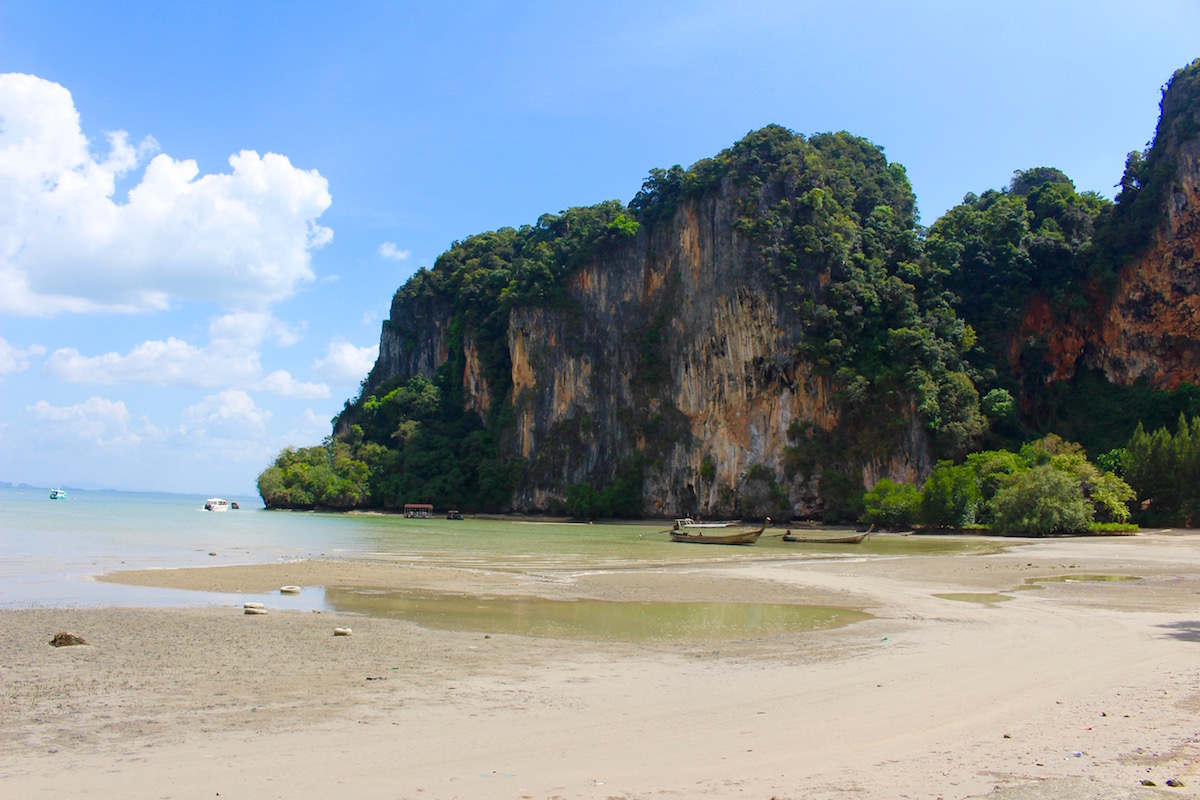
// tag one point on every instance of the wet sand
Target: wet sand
(1072, 689)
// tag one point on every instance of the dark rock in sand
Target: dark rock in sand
(64, 639)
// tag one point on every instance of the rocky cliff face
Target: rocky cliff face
(672, 347)
(1149, 326)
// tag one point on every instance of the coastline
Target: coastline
(931, 697)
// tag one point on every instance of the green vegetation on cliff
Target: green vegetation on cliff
(915, 332)
(830, 228)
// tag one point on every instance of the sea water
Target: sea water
(52, 550)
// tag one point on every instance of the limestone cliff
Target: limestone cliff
(1148, 326)
(684, 348)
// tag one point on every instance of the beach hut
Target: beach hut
(417, 510)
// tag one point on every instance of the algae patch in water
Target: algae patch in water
(1084, 579)
(592, 619)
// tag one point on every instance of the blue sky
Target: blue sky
(206, 207)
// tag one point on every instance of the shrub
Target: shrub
(1041, 501)
(892, 505)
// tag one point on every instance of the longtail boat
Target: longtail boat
(688, 530)
(853, 539)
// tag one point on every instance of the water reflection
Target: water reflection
(591, 619)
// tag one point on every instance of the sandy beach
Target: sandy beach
(1070, 689)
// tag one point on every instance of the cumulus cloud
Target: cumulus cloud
(344, 363)
(231, 356)
(97, 421)
(390, 251)
(173, 362)
(16, 359)
(250, 329)
(241, 240)
(231, 414)
(282, 383)
(308, 427)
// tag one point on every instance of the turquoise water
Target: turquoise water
(51, 549)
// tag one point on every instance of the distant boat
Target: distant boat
(688, 530)
(58, 494)
(216, 504)
(853, 539)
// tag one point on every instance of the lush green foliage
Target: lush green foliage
(892, 505)
(1042, 500)
(621, 498)
(901, 321)
(1164, 470)
(328, 476)
(1048, 487)
(1040, 238)
(998, 250)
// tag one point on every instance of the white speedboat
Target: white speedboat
(58, 494)
(216, 504)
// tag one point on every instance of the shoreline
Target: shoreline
(931, 697)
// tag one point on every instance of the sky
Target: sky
(206, 207)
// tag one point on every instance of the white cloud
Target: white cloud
(344, 363)
(231, 356)
(158, 363)
(309, 427)
(282, 383)
(240, 239)
(99, 421)
(16, 359)
(251, 328)
(390, 251)
(231, 414)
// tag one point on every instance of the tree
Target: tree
(1041, 501)
(892, 505)
(951, 497)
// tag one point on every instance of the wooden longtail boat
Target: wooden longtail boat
(687, 530)
(853, 539)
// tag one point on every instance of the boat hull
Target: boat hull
(735, 537)
(855, 539)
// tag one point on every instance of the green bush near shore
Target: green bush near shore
(1049, 487)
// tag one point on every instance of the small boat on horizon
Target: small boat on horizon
(58, 494)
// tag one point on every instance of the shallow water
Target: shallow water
(1084, 579)
(986, 598)
(591, 619)
(52, 548)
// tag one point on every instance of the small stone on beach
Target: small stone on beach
(253, 611)
(342, 631)
(64, 639)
